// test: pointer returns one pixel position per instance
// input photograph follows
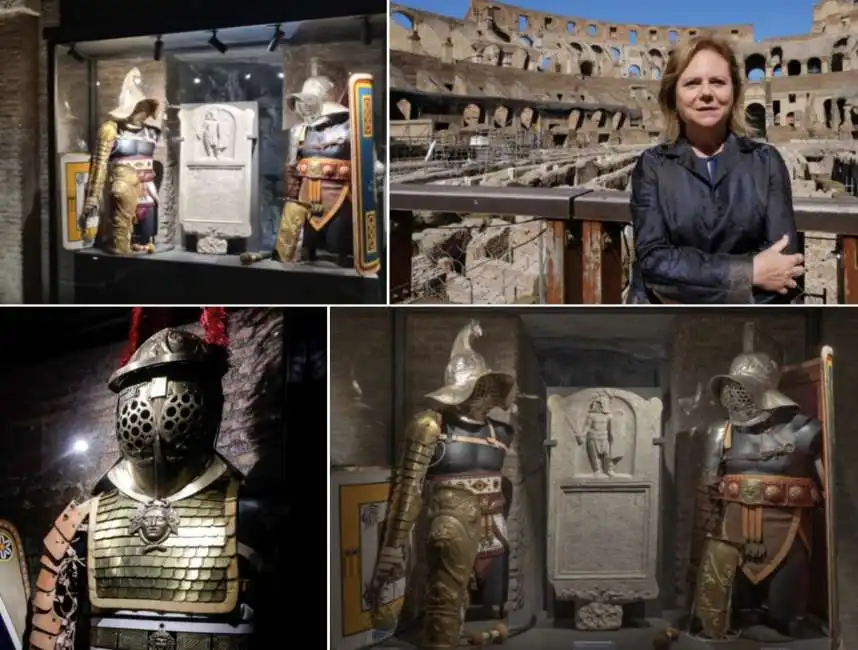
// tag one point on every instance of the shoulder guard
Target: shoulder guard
(807, 434)
(713, 451)
(504, 431)
(425, 428)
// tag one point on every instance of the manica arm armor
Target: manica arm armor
(708, 507)
(98, 167)
(421, 436)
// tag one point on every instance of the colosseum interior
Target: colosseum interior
(556, 100)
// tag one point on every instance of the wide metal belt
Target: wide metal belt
(772, 491)
(113, 639)
(474, 440)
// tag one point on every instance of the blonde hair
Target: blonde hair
(680, 57)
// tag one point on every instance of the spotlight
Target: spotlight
(366, 31)
(159, 49)
(77, 56)
(80, 446)
(275, 40)
(217, 44)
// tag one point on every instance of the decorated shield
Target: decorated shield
(14, 587)
(811, 386)
(367, 252)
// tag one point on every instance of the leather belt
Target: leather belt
(114, 639)
(325, 168)
(769, 490)
(480, 484)
(140, 164)
(490, 441)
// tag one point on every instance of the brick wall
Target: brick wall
(20, 202)
(46, 407)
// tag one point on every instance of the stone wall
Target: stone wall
(46, 407)
(20, 199)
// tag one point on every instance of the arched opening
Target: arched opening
(403, 20)
(756, 115)
(570, 27)
(777, 55)
(840, 113)
(587, 68)
(633, 36)
(777, 71)
(634, 72)
(837, 62)
(592, 30)
(829, 114)
(597, 50)
(545, 64)
(526, 41)
(814, 66)
(615, 53)
(790, 119)
(656, 73)
(755, 67)
(673, 36)
(793, 68)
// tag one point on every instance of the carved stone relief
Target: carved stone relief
(217, 176)
(603, 500)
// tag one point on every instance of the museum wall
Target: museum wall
(47, 406)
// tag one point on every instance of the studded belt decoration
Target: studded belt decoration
(479, 484)
(139, 164)
(769, 490)
(325, 168)
(113, 639)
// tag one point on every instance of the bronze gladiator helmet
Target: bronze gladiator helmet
(170, 399)
(749, 389)
(468, 376)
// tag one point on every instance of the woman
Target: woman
(712, 209)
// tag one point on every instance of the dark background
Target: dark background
(53, 391)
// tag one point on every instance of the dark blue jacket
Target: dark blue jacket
(695, 236)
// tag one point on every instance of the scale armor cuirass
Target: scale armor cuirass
(167, 527)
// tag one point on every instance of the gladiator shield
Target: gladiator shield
(365, 221)
(811, 385)
(14, 588)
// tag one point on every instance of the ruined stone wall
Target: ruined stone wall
(47, 406)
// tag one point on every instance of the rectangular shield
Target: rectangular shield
(811, 385)
(14, 587)
(365, 221)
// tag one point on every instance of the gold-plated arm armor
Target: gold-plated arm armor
(421, 436)
(107, 134)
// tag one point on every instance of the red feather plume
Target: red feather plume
(133, 335)
(213, 321)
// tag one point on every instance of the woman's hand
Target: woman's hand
(774, 271)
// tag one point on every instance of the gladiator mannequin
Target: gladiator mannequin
(459, 451)
(158, 557)
(125, 159)
(764, 472)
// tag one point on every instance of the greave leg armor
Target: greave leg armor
(454, 534)
(124, 191)
(713, 591)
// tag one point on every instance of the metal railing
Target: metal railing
(565, 245)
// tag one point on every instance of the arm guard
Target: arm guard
(707, 509)
(50, 630)
(98, 167)
(421, 436)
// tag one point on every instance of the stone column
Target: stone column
(20, 208)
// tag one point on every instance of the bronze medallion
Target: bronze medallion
(154, 523)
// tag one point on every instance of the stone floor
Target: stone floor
(641, 638)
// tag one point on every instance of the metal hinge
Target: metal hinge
(659, 441)
(550, 443)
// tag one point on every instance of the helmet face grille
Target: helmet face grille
(738, 401)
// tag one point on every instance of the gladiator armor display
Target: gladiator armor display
(764, 472)
(125, 158)
(459, 452)
(329, 178)
(157, 558)
(14, 588)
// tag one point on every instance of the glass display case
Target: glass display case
(242, 148)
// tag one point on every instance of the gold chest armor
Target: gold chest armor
(193, 570)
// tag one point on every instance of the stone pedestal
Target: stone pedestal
(217, 172)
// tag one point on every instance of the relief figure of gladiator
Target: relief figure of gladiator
(458, 451)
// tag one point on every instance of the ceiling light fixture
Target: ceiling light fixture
(217, 44)
(275, 40)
